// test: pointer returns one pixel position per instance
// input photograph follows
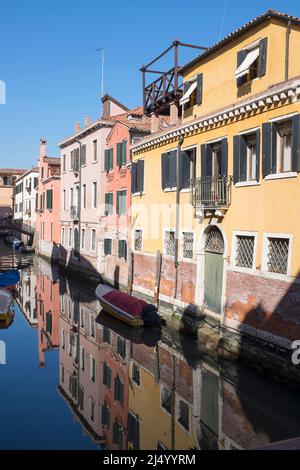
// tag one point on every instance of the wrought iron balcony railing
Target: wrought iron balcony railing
(74, 213)
(211, 192)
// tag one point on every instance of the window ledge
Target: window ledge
(185, 190)
(241, 184)
(169, 190)
(138, 194)
(95, 161)
(277, 176)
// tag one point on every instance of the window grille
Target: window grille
(184, 415)
(138, 239)
(278, 251)
(188, 244)
(214, 241)
(170, 243)
(166, 399)
(244, 251)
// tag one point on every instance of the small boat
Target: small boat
(9, 279)
(5, 303)
(147, 336)
(125, 307)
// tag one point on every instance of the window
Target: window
(284, 146)
(168, 169)
(244, 251)
(95, 150)
(62, 374)
(92, 410)
(84, 196)
(121, 349)
(121, 153)
(106, 334)
(92, 369)
(138, 239)
(106, 375)
(49, 199)
(280, 144)
(63, 339)
(184, 414)
(93, 240)
(118, 389)
(246, 150)
(192, 92)
(277, 255)
(117, 433)
(187, 168)
(107, 246)
(169, 242)
(75, 159)
(81, 398)
(63, 236)
(251, 62)
(82, 358)
(93, 326)
(105, 415)
(94, 194)
(108, 159)
(64, 162)
(166, 399)
(122, 249)
(82, 318)
(5, 181)
(136, 375)
(109, 204)
(188, 244)
(121, 202)
(137, 177)
(83, 238)
(64, 200)
(70, 237)
(71, 197)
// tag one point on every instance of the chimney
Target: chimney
(154, 123)
(87, 120)
(43, 148)
(173, 113)
(77, 126)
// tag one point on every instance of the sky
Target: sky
(51, 67)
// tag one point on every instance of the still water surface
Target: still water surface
(76, 379)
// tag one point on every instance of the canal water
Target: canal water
(76, 379)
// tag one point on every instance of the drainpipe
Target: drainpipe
(79, 198)
(176, 263)
(287, 49)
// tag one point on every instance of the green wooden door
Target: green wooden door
(213, 272)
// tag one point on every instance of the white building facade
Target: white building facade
(25, 193)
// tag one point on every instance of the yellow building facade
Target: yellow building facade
(238, 146)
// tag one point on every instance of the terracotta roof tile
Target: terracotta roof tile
(13, 171)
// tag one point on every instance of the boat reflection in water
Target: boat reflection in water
(141, 389)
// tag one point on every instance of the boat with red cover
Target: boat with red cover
(127, 308)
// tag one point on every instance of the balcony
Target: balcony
(211, 192)
(167, 88)
(74, 213)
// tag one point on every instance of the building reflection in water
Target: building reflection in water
(142, 389)
(26, 298)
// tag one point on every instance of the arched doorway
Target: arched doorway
(213, 269)
(76, 242)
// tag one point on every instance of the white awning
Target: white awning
(247, 62)
(186, 96)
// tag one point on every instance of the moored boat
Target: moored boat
(127, 308)
(9, 279)
(5, 303)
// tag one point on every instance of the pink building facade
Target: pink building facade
(48, 205)
(116, 225)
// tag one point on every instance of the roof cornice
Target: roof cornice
(280, 93)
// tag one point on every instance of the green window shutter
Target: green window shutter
(106, 160)
(236, 158)
(111, 159)
(296, 143)
(49, 322)
(49, 198)
(134, 178)
(140, 176)
(119, 154)
(263, 43)
(118, 202)
(199, 88)
(124, 152)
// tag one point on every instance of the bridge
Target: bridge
(17, 227)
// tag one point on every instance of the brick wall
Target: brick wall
(271, 305)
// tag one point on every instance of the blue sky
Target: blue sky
(50, 64)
